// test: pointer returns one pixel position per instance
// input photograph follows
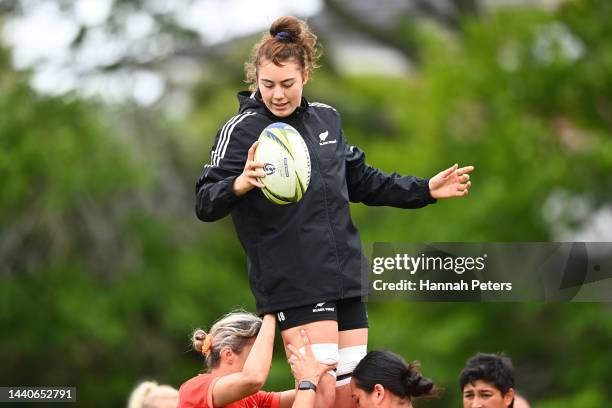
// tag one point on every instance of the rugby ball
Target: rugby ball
(286, 163)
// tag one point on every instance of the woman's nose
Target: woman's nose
(477, 403)
(278, 93)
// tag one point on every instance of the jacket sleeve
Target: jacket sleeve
(369, 185)
(215, 197)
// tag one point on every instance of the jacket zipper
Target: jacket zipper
(329, 224)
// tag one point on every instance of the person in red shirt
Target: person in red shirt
(238, 354)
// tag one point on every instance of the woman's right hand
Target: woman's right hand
(247, 181)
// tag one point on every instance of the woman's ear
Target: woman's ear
(227, 355)
(378, 394)
(509, 397)
(305, 76)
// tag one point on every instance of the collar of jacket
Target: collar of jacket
(252, 100)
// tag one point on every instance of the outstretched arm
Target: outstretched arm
(369, 185)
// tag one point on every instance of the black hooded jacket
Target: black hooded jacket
(306, 252)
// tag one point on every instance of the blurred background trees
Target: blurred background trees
(104, 269)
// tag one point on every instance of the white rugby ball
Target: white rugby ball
(286, 163)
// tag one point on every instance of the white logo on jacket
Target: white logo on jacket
(323, 136)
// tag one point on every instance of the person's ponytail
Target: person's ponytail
(391, 371)
(415, 384)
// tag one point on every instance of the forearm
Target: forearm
(371, 186)
(287, 398)
(257, 364)
(304, 399)
(375, 188)
(215, 200)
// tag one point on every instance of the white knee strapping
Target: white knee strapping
(349, 358)
(326, 353)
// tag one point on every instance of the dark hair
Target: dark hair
(494, 369)
(288, 38)
(392, 372)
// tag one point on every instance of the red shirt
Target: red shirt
(197, 393)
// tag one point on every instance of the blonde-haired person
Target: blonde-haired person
(305, 259)
(238, 354)
(149, 394)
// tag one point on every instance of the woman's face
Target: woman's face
(362, 399)
(481, 394)
(378, 398)
(281, 87)
(240, 359)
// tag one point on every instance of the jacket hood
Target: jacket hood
(249, 100)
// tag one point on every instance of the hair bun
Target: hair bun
(199, 335)
(286, 28)
(197, 339)
(416, 385)
(288, 38)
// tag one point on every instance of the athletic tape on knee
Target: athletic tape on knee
(325, 353)
(349, 358)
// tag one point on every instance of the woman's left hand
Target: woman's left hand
(452, 182)
(304, 364)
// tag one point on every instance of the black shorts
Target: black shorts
(349, 313)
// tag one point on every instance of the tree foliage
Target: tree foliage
(105, 270)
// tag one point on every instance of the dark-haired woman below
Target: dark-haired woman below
(384, 379)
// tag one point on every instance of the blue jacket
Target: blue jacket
(307, 252)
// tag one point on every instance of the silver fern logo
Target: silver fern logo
(323, 136)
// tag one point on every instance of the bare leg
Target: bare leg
(349, 338)
(318, 332)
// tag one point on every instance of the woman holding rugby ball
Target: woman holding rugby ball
(305, 260)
